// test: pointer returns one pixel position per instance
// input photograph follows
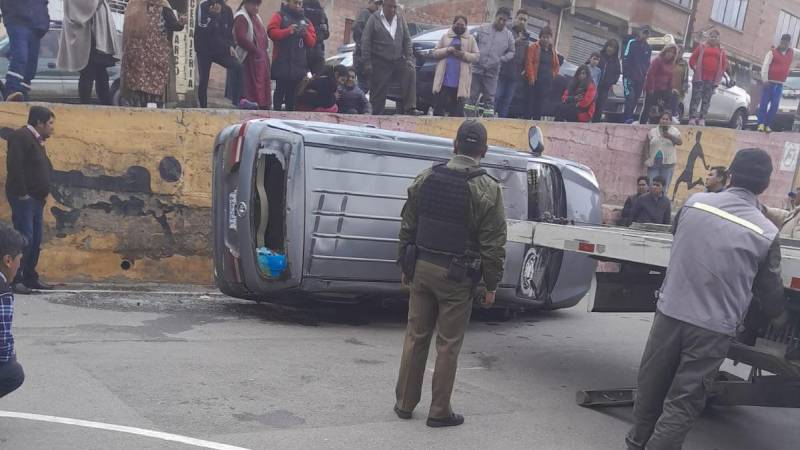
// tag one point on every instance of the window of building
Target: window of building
(730, 13)
(787, 24)
(682, 3)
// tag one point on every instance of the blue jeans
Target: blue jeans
(27, 218)
(770, 98)
(24, 58)
(506, 89)
(663, 170)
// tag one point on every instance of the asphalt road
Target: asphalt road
(203, 366)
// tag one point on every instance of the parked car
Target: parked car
(52, 84)
(329, 197)
(729, 105)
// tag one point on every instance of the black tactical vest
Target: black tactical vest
(443, 211)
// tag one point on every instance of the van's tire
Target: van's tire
(739, 120)
(539, 271)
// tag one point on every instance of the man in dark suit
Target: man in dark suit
(27, 188)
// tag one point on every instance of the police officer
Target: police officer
(707, 291)
(452, 234)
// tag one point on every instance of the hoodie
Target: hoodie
(661, 72)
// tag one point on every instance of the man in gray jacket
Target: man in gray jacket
(496, 46)
(707, 291)
(387, 56)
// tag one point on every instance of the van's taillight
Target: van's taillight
(236, 148)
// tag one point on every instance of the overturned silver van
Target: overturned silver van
(328, 197)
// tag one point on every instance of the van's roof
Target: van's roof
(321, 132)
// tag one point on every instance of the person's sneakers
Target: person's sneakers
(453, 421)
(767, 130)
(405, 415)
(676, 121)
(414, 112)
(21, 289)
(247, 104)
(761, 128)
(15, 97)
(39, 285)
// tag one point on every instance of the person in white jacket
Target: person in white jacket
(90, 44)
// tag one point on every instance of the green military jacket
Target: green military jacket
(487, 222)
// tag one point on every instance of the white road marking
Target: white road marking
(121, 429)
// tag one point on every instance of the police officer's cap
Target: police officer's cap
(751, 169)
(471, 136)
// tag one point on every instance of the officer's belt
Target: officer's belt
(438, 259)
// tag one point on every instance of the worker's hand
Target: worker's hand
(450, 50)
(293, 28)
(488, 299)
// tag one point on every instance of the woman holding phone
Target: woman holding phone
(456, 52)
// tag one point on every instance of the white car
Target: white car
(729, 105)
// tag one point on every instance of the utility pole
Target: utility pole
(517, 6)
(687, 38)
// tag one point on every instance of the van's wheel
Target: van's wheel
(739, 120)
(533, 276)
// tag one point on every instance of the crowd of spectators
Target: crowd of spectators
(481, 71)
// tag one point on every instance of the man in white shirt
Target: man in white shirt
(387, 57)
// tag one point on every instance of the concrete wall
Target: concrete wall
(132, 188)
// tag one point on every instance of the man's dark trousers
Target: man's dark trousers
(633, 92)
(11, 376)
(383, 73)
(436, 303)
(679, 365)
(24, 58)
(26, 216)
(204, 62)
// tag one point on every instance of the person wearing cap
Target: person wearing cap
(774, 72)
(709, 62)
(452, 236)
(635, 63)
(706, 293)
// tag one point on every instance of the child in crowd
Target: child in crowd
(594, 67)
(350, 98)
(11, 246)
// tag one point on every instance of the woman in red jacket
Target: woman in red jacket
(709, 62)
(293, 34)
(658, 85)
(578, 101)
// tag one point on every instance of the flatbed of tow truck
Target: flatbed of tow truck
(644, 251)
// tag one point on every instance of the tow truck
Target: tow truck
(643, 253)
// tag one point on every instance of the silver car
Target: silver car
(52, 84)
(729, 106)
(328, 197)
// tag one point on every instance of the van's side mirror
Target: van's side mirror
(535, 140)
